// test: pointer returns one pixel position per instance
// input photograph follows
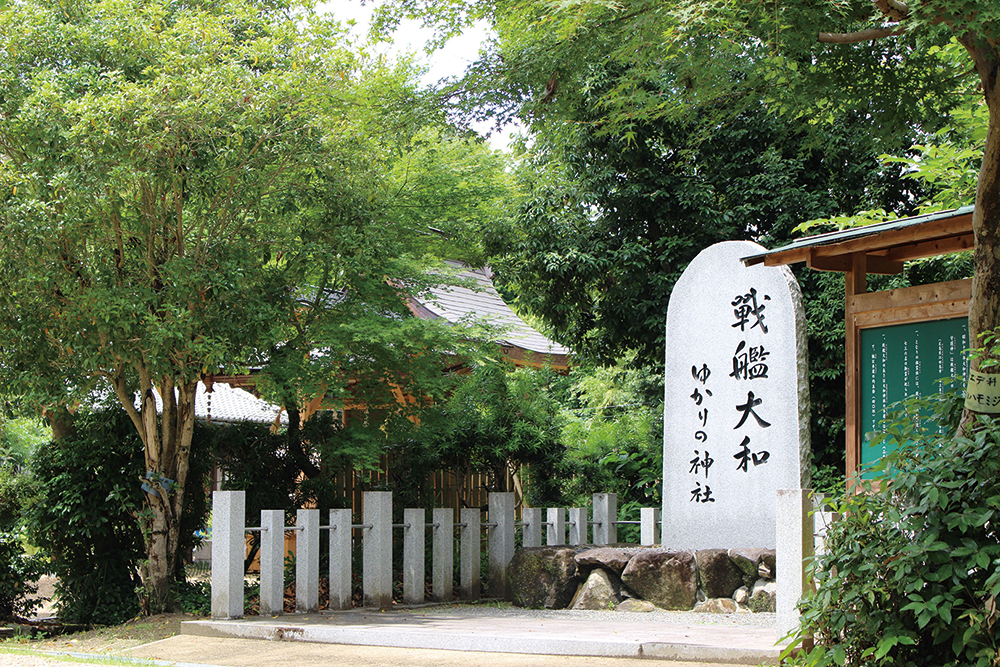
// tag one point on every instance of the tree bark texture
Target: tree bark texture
(984, 309)
(167, 442)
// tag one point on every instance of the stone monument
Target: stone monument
(736, 405)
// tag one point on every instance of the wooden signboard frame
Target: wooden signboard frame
(882, 249)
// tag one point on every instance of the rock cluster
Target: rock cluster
(630, 578)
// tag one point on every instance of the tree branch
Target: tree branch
(869, 35)
(894, 10)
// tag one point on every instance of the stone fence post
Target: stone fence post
(794, 544)
(531, 535)
(501, 542)
(228, 551)
(340, 559)
(376, 577)
(307, 561)
(605, 518)
(555, 533)
(414, 536)
(272, 562)
(577, 526)
(649, 526)
(443, 564)
(470, 544)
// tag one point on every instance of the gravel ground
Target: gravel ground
(741, 619)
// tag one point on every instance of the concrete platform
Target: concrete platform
(598, 634)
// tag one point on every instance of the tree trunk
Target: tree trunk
(984, 309)
(167, 442)
(61, 422)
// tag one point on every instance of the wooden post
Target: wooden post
(856, 283)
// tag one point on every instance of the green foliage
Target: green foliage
(196, 187)
(193, 597)
(500, 420)
(18, 571)
(614, 437)
(623, 455)
(84, 518)
(18, 574)
(610, 223)
(18, 437)
(910, 576)
(84, 514)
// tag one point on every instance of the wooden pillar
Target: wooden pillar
(856, 280)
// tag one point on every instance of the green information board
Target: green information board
(906, 360)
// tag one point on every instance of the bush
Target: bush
(614, 440)
(18, 574)
(912, 571)
(84, 518)
(18, 571)
(193, 597)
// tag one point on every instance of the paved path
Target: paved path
(748, 640)
(194, 651)
(459, 637)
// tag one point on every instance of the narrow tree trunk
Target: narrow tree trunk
(61, 422)
(168, 454)
(984, 310)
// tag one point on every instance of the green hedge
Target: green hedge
(912, 571)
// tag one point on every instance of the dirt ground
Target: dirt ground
(114, 639)
(99, 641)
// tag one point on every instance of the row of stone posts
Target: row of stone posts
(561, 526)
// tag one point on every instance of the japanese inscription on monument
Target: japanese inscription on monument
(736, 402)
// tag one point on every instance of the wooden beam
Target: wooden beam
(927, 313)
(522, 357)
(908, 297)
(856, 283)
(935, 248)
(843, 263)
(920, 237)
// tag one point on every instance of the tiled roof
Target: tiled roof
(484, 303)
(228, 405)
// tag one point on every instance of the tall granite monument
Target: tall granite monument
(736, 409)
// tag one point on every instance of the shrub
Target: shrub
(193, 597)
(85, 518)
(18, 574)
(18, 571)
(912, 571)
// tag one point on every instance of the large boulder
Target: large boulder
(613, 559)
(762, 597)
(748, 561)
(717, 606)
(767, 564)
(668, 579)
(600, 591)
(636, 606)
(543, 577)
(718, 574)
